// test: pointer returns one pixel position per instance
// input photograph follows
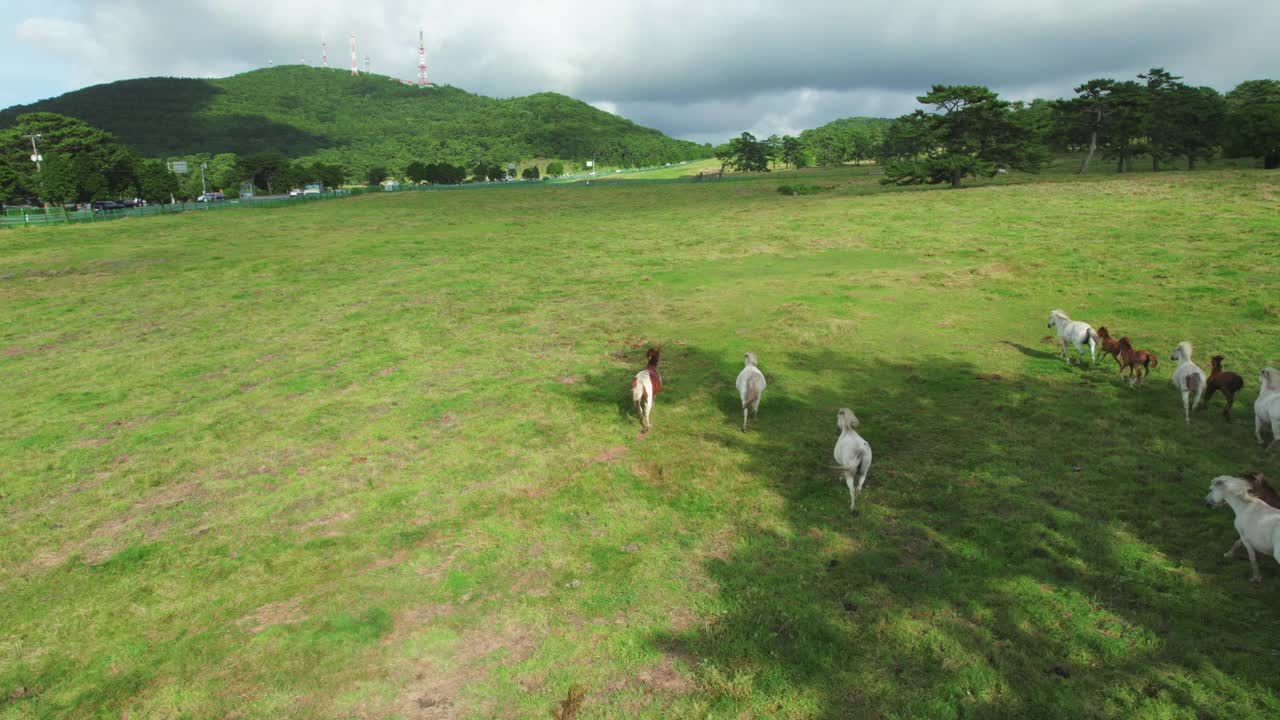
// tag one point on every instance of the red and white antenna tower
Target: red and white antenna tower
(366, 64)
(422, 61)
(355, 68)
(324, 54)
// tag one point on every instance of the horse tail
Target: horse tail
(1091, 336)
(637, 391)
(1155, 362)
(1193, 382)
(753, 393)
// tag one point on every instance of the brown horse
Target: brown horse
(1110, 345)
(1137, 362)
(1226, 381)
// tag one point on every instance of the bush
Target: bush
(803, 189)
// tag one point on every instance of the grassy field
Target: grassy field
(373, 458)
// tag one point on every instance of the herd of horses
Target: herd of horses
(1256, 504)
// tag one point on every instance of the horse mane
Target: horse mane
(1124, 343)
(1185, 348)
(652, 355)
(1058, 313)
(1216, 361)
(852, 423)
(1103, 332)
(749, 359)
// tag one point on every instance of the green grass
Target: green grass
(373, 458)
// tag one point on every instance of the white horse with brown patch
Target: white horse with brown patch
(1078, 334)
(751, 386)
(853, 455)
(1188, 378)
(644, 386)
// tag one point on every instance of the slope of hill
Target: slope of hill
(846, 139)
(332, 116)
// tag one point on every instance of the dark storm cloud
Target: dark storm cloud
(700, 70)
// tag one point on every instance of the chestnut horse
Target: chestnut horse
(644, 386)
(1110, 345)
(1137, 362)
(1226, 381)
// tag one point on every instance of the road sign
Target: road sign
(178, 166)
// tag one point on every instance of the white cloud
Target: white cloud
(704, 70)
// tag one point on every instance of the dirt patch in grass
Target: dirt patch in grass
(282, 612)
(434, 691)
(170, 495)
(416, 619)
(569, 380)
(326, 520)
(611, 455)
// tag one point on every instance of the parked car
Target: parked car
(211, 197)
(294, 192)
(104, 205)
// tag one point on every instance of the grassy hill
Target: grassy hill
(374, 458)
(358, 121)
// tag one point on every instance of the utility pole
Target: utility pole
(36, 157)
(203, 190)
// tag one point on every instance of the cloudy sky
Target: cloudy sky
(698, 69)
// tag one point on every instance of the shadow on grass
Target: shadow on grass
(1022, 551)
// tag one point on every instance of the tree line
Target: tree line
(969, 131)
(82, 164)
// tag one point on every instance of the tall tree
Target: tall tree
(1253, 112)
(1127, 105)
(375, 175)
(1086, 115)
(156, 183)
(747, 154)
(417, 172)
(265, 169)
(1188, 122)
(793, 152)
(971, 133)
(1160, 85)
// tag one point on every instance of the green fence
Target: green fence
(15, 217)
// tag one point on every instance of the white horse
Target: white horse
(1257, 523)
(1188, 378)
(853, 455)
(750, 388)
(644, 386)
(1079, 334)
(1266, 409)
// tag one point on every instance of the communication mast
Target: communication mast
(366, 64)
(324, 54)
(422, 61)
(355, 68)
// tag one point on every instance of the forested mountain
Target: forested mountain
(331, 116)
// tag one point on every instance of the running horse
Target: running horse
(644, 386)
